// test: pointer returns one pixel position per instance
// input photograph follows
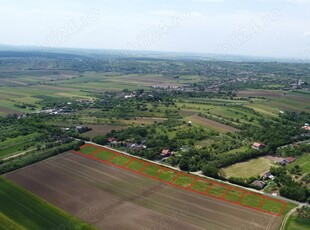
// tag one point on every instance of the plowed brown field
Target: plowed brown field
(114, 198)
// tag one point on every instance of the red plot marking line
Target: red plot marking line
(262, 202)
(94, 153)
(176, 177)
(142, 169)
(191, 185)
(131, 160)
(111, 158)
(159, 172)
(225, 193)
(240, 198)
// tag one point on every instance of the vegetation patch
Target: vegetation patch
(167, 175)
(151, 170)
(233, 195)
(272, 206)
(120, 160)
(88, 149)
(251, 200)
(217, 190)
(104, 155)
(136, 165)
(184, 180)
(201, 185)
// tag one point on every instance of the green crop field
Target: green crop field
(104, 155)
(151, 170)
(233, 195)
(120, 160)
(201, 186)
(167, 175)
(88, 149)
(136, 165)
(272, 206)
(251, 200)
(217, 190)
(184, 180)
(20, 209)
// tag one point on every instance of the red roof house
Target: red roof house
(111, 139)
(165, 153)
(306, 127)
(290, 159)
(258, 146)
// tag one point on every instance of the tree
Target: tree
(295, 192)
(184, 166)
(296, 170)
(210, 170)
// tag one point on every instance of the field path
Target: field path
(283, 224)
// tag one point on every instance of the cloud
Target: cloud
(164, 12)
(306, 34)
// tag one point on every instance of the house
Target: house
(165, 153)
(111, 139)
(138, 148)
(306, 127)
(128, 144)
(287, 161)
(267, 176)
(290, 159)
(258, 146)
(259, 184)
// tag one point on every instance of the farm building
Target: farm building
(267, 176)
(286, 161)
(306, 127)
(166, 153)
(137, 147)
(111, 139)
(290, 159)
(259, 184)
(258, 146)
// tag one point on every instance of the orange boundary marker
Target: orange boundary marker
(159, 172)
(142, 169)
(131, 160)
(191, 185)
(225, 193)
(174, 179)
(261, 203)
(111, 158)
(179, 173)
(208, 189)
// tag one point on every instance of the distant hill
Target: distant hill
(100, 53)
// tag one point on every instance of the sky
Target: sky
(269, 28)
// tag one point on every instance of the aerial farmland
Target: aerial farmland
(155, 115)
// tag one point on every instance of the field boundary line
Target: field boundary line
(225, 193)
(191, 185)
